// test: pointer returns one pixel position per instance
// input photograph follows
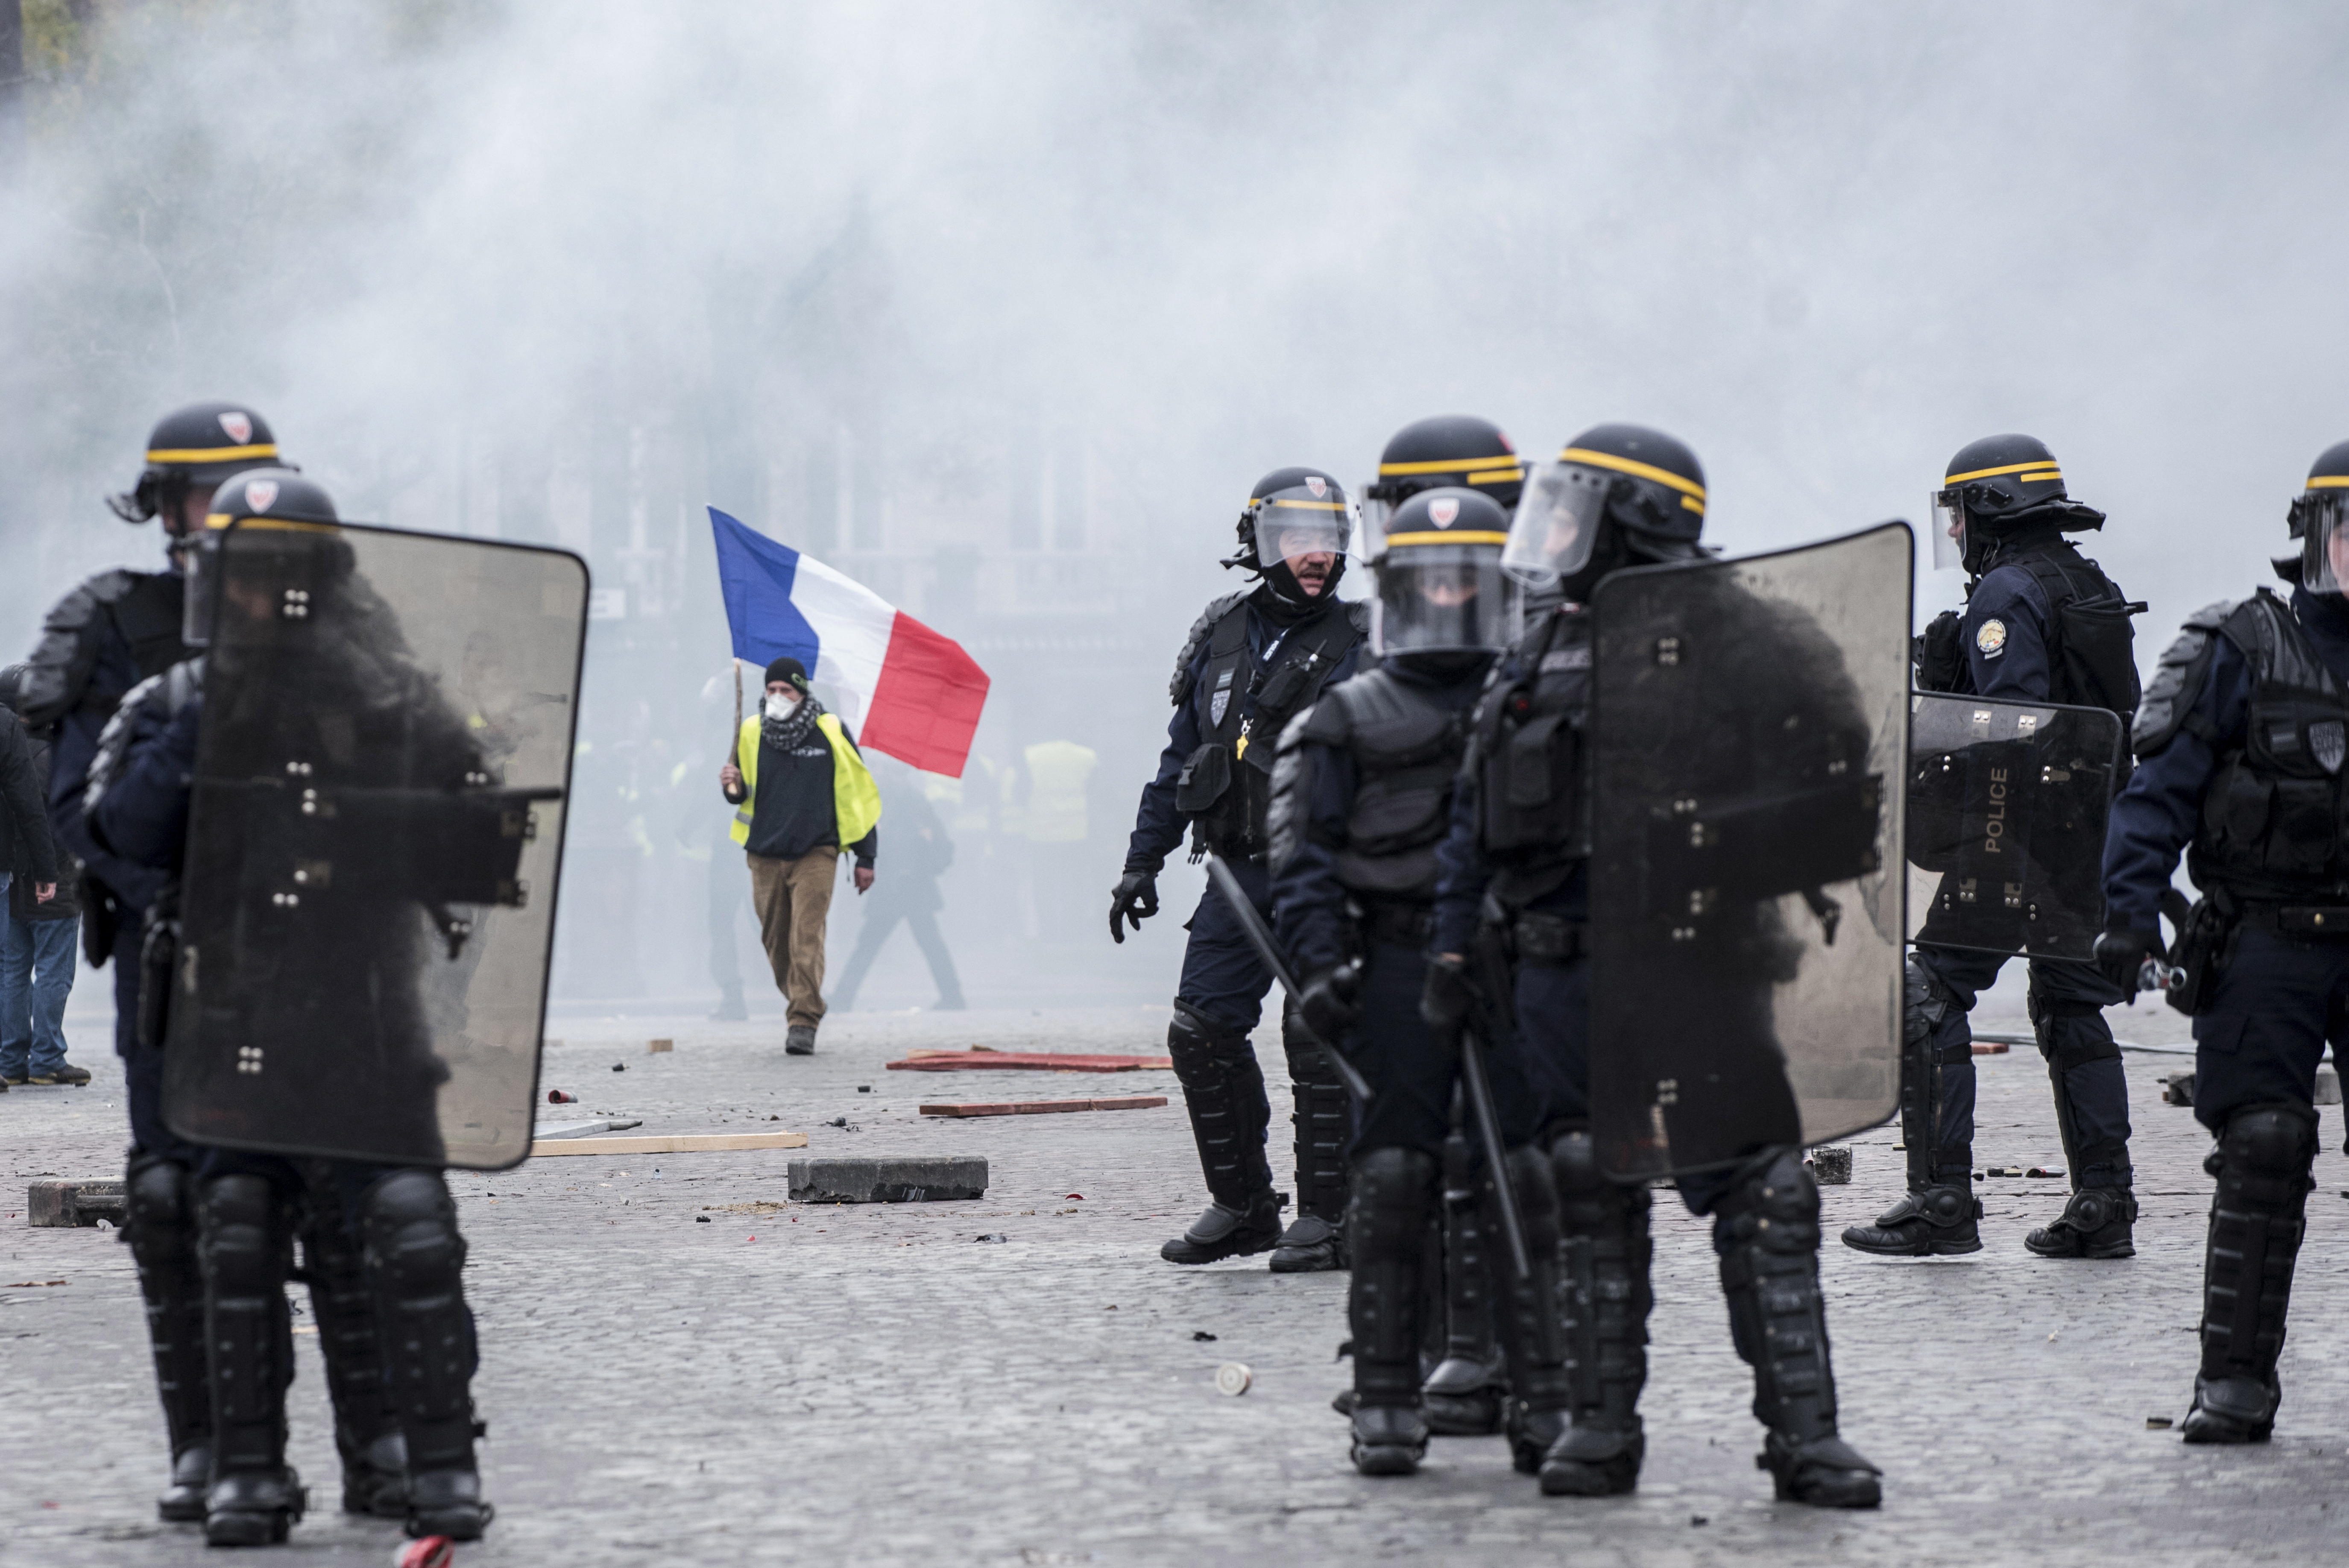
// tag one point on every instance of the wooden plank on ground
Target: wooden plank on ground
(687, 1143)
(1031, 1061)
(1042, 1107)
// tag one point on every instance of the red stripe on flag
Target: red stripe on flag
(926, 704)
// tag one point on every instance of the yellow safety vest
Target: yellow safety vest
(856, 798)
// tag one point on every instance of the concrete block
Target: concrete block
(69, 1203)
(890, 1178)
(1830, 1164)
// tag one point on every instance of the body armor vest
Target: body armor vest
(1406, 746)
(1225, 786)
(2276, 811)
(1533, 817)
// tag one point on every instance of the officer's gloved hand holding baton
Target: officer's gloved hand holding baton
(1331, 1001)
(1135, 898)
(2135, 960)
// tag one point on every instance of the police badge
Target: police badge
(2330, 741)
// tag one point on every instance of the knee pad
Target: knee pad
(247, 1235)
(1394, 1189)
(1195, 1043)
(413, 1245)
(1773, 1206)
(2270, 1140)
(159, 1211)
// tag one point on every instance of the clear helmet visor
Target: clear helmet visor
(1949, 532)
(1296, 525)
(2324, 546)
(1556, 523)
(1441, 598)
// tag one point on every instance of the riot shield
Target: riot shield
(1749, 724)
(2006, 816)
(368, 901)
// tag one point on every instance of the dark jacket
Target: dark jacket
(25, 847)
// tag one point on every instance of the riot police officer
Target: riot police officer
(115, 630)
(1514, 892)
(385, 1236)
(1254, 660)
(1362, 796)
(2042, 623)
(2241, 741)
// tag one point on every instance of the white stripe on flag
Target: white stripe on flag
(851, 624)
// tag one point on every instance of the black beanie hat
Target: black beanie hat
(787, 668)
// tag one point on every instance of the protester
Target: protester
(921, 851)
(819, 797)
(29, 856)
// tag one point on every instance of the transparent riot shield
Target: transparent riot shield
(2007, 803)
(368, 901)
(1749, 730)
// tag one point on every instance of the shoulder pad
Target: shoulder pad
(1180, 686)
(60, 662)
(1358, 612)
(114, 741)
(2176, 683)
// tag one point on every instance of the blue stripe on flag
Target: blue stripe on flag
(756, 573)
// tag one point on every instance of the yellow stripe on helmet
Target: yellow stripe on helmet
(1300, 505)
(210, 454)
(2023, 468)
(1466, 536)
(218, 520)
(1608, 459)
(1500, 476)
(1692, 503)
(2330, 482)
(1450, 465)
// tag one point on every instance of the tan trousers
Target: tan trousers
(793, 897)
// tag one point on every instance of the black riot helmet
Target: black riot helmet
(1442, 591)
(1448, 450)
(202, 443)
(1293, 512)
(263, 498)
(2318, 519)
(1616, 495)
(1999, 488)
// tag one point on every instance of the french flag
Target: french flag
(921, 693)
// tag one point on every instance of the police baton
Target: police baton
(1252, 923)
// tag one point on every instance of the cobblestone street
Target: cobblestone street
(872, 1384)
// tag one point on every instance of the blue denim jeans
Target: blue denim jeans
(36, 974)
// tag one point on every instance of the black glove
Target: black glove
(1135, 898)
(1329, 1002)
(1444, 999)
(2121, 953)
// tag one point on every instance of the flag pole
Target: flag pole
(735, 745)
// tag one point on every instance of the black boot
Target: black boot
(160, 1223)
(1315, 1241)
(2258, 1217)
(1393, 1198)
(2096, 1223)
(415, 1262)
(1528, 1312)
(367, 1434)
(1940, 1217)
(246, 1248)
(1941, 1221)
(1222, 1089)
(1766, 1230)
(1606, 1255)
(1467, 1393)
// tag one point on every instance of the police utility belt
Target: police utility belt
(2296, 920)
(1405, 925)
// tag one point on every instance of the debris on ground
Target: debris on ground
(1830, 1164)
(1040, 1107)
(1233, 1378)
(1203, 1336)
(1041, 1061)
(991, 1236)
(557, 1098)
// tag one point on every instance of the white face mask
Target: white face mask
(779, 704)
